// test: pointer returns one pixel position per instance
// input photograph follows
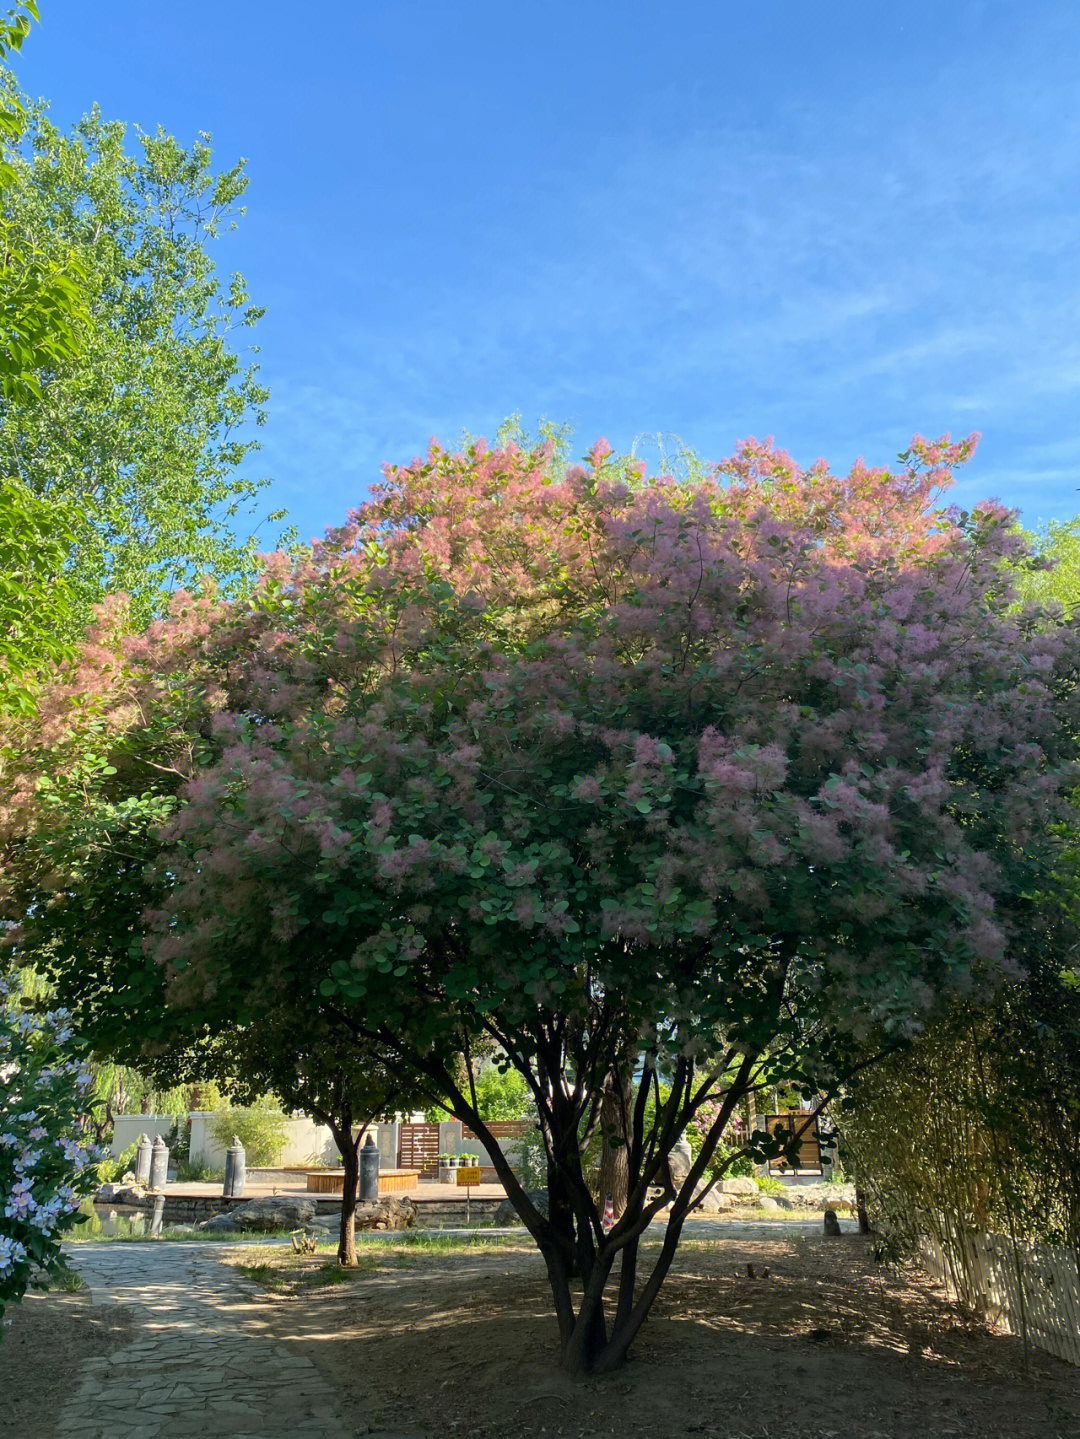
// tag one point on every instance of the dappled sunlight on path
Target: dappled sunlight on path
(202, 1363)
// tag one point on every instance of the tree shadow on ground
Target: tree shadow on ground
(825, 1344)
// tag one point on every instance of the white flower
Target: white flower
(11, 1253)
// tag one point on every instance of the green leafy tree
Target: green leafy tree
(1055, 577)
(139, 430)
(36, 599)
(301, 1056)
(43, 319)
(502, 1094)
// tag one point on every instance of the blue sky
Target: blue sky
(837, 224)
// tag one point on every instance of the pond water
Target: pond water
(112, 1219)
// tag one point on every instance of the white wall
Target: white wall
(127, 1129)
(305, 1140)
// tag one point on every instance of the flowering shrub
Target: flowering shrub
(730, 784)
(44, 1167)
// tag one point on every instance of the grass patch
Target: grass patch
(281, 1270)
(430, 1241)
(66, 1280)
(285, 1272)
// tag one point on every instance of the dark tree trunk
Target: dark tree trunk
(860, 1210)
(349, 1148)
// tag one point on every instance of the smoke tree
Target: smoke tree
(676, 788)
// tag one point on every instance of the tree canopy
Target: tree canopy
(705, 783)
(136, 419)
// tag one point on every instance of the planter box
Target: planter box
(332, 1181)
(391, 1179)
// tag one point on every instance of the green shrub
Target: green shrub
(768, 1184)
(262, 1132)
(110, 1170)
(189, 1173)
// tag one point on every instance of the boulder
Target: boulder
(742, 1185)
(770, 1205)
(132, 1194)
(259, 1215)
(679, 1164)
(715, 1202)
(221, 1223)
(387, 1213)
(275, 1213)
(120, 1192)
(506, 1213)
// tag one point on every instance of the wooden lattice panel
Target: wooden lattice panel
(418, 1147)
(809, 1151)
(500, 1129)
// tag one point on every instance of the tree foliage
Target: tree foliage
(704, 785)
(140, 427)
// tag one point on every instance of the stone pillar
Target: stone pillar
(235, 1170)
(142, 1160)
(369, 1170)
(159, 1163)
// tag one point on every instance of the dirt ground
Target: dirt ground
(44, 1340)
(826, 1345)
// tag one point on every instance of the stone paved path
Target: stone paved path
(201, 1365)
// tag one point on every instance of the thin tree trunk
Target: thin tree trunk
(615, 1158)
(752, 1121)
(860, 1210)
(347, 1230)
(349, 1148)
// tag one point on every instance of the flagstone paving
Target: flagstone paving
(202, 1363)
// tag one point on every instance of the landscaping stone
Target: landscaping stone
(220, 1223)
(506, 1213)
(742, 1185)
(769, 1204)
(275, 1213)
(264, 1214)
(124, 1191)
(390, 1212)
(679, 1165)
(715, 1202)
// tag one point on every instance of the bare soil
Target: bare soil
(825, 1346)
(44, 1339)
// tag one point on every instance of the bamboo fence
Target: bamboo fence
(1030, 1289)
